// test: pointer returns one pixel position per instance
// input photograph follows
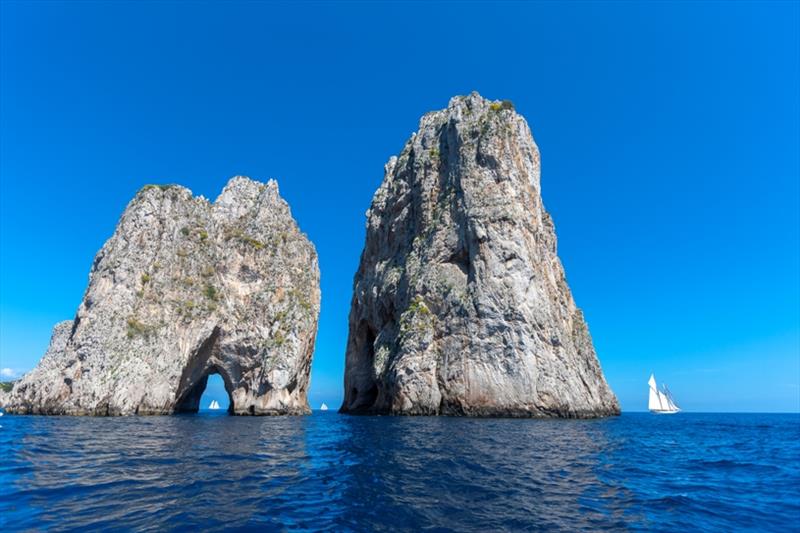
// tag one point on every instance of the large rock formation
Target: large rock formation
(460, 302)
(183, 289)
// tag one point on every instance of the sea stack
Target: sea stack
(461, 304)
(183, 289)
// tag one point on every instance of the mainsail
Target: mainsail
(654, 402)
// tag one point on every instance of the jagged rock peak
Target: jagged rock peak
(460, 303)
(183, 289)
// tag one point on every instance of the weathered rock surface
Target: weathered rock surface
(183, 289)
(461, 305)
(4, 396)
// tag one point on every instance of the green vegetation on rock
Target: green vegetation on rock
(135, 327)
(417, 317)
(210, 292)
(243, 237)
(505, 104)
(164, 187)
(279, 339)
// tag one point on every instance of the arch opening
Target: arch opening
(215, 398)
(214, 385)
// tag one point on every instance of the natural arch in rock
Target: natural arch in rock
(189, 402)
(251, 387)
(183, 289)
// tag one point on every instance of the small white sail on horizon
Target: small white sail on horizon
(213, 405)
(660, 401)
(323, 407)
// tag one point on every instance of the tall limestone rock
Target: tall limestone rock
(460, 303)
(183, 289)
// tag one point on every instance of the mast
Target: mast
(671, 399)
(662, 398)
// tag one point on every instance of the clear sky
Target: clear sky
(669, 135)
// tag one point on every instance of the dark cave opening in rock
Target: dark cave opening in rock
(365, 392)
(212, 387)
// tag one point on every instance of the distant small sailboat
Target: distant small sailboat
(660, 401)
(213, 405)
(323, 407)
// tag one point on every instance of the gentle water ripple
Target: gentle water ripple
(329, 472)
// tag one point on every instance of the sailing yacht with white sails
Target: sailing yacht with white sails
(660, 401)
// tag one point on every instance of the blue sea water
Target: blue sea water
(714, 472)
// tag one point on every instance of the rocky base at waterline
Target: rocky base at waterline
(183, 289)
(460, 304)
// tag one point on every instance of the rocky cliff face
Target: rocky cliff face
(460, 302)
(183, 289)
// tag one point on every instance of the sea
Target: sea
(332, 472)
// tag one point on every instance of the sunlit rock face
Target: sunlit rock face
(460, 304)
(185, 288)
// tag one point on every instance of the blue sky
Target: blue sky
(669, 135)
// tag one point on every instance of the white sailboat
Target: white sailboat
(213, 405)
(323, 407)
(660, 401)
